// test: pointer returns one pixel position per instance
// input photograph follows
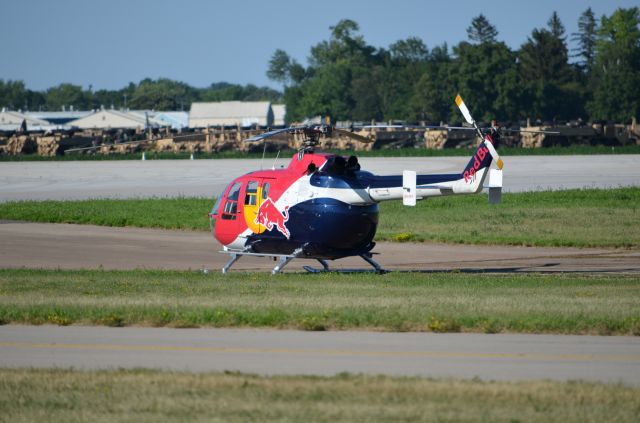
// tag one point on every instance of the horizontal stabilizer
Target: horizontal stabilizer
(409, 187)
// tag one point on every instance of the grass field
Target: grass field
(402, 152)
(438, 302)
(578, 218)
(150, 396)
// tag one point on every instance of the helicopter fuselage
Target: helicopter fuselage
(322, 205)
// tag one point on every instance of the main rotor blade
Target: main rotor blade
(531, 131)
(95, 147)
(352, 135)
(271, 134)
(464, 128)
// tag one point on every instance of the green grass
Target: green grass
(575, 218)
(151, 396)
(402, 152)
(438, 302)
(571, 218)
(166, 213)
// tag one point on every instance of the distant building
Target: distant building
(12, 121)
(58, 118)
(279, 114)
(231, 113)
(115, 119)
(176, 120)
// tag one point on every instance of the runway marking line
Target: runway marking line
(632, 358)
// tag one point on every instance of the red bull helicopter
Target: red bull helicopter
(325, 207)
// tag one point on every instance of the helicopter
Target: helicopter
(325, 207)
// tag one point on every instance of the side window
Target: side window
(251, 197)
(231, 205)
(265, 190)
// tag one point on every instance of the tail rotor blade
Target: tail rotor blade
(494, 153)
(465, 111)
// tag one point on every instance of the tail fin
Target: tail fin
(476, 170)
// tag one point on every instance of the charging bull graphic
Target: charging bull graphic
(269, 216)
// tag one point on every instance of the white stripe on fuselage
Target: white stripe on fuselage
(302, 190)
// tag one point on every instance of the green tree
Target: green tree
(550, 82)
(481, 31)
(13, 94)
(284, 69)
(555, 26)
(586, 39)
(486, 76)
(67, 95)
(434, 91)
(163, 94)
(343, 46)
(617, 67)
(327, 93)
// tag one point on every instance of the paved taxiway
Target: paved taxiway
(42, 245)
(268, 352)
(206, 178)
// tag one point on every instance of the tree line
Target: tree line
(349, 79)
(162, 94)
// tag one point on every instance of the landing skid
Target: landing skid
(366, 257)
(283, 260)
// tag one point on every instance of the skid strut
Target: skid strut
(234, 258)
(367, 257)
(284, 260)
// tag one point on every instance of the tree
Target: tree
(555, 26)
(411, 50)
(586, 39)
(67, 95)
(432, 95)
(163, 94)
(617, 67)
(551, 88)
(481, 31)
(327, 93)
(344, 46)
(284, 69)
(13, 94)
(480, 76)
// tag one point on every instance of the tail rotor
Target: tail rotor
(486, 139)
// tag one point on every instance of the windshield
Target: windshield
(214, 209)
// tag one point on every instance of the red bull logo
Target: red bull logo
(469, 175)
(269, 216)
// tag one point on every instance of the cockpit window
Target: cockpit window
(231, 205)
(251, 196)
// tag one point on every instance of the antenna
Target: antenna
(273, 167)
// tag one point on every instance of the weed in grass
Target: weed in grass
(443, 325)
(404, 237)
(312, 323)
(59, 318)
(113, 320)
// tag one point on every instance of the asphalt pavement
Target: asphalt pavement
(207, 178)
(283, 352)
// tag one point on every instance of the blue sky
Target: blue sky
(107, 44)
